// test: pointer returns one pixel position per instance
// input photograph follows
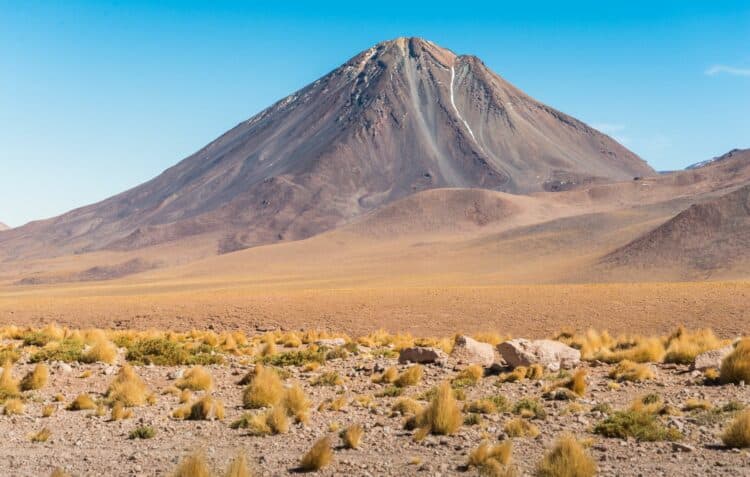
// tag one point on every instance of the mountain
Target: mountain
(3, 227)
(707, 236)
(729, 155)
(401, 117)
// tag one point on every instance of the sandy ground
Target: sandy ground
(521, 310)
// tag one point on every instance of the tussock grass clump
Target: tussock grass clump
(13, 406)
(319, 455)
(737, 434)
(573, 387)
(331, 378)
(164, 352)
(641, 350)
(8, 384)
(529, 408)
(352, 436)
(519, 373)
(406, 407)
(82, 402)
(683, 346)
(265, 389)
(481, 406)
(120, 412)
(469, 376)
(638, 424)
(58, 472)
(36, 378)
(142, 432)
(238, 467)
(442, 415)
(41, 436)
(736, 366)
(102, 350)
(193, 465)
(492, 460)
(693, 404)
(410, 376)
(519, 427)
(196, 379)
(128, 388)
(490, 337)
(388, 376)
(296, 403)
(68, 350)
(567, 458)
(627, 370)
(206, 408)
(48, 410)
(303, 357)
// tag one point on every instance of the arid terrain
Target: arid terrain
(635, 409)
(406, 199)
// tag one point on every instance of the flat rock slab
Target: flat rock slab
(467, 350)
(420, 354)
(712, 358)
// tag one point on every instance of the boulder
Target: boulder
(421, 354)
(711, 359)
(467, 350)
(551, 354)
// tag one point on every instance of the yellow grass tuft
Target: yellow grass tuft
(410, 376)
(352, 436)
(297, 404)
(8, 384)
(206, 408)
(82, 402)
(102, 350)
(48, 410)
(406, 406)
(265, 389)
(36, 378)
(277, 420)
(442, 415)
(41, 436)
(196, 379)
(736, 366)
(194, 465)
(119, 412)
(238, 467)
(388, 376)
(693, 404)
(519, 427)
(567, 458)
(627, 370)
(58, 472)
(737, 434)
(490, 458)
(185, 396)
(128, 388)
(319, 456)
(13, 407)
(683, 346)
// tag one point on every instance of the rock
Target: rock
(680, 447)
(110, 370)
(420, 354)
(64, 368)
(711, 359)
(331, 342)
(176, 374)
(551, 354)
(467, 350)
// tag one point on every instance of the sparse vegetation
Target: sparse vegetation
(36, 378)
(567, 458)
(519, 427)
(196, 379)
(193, 465)
(736, 367)
(627, 370)
(319, 456)
(352, 435)
(442, 415)
(142, 432)
(638, 424)
(128, 388)
(82, 402)
(41, 436)
(737, 434)
(492, 460)
(265, 389)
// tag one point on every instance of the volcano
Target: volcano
(401, 117)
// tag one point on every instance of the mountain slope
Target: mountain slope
(3, 227)
(403, 116)
(708, 236)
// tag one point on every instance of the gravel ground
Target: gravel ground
(84, 444)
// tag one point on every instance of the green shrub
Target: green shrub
(642, 426)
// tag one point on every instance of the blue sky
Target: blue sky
(99, 96)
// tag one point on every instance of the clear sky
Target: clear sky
(99, 96)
